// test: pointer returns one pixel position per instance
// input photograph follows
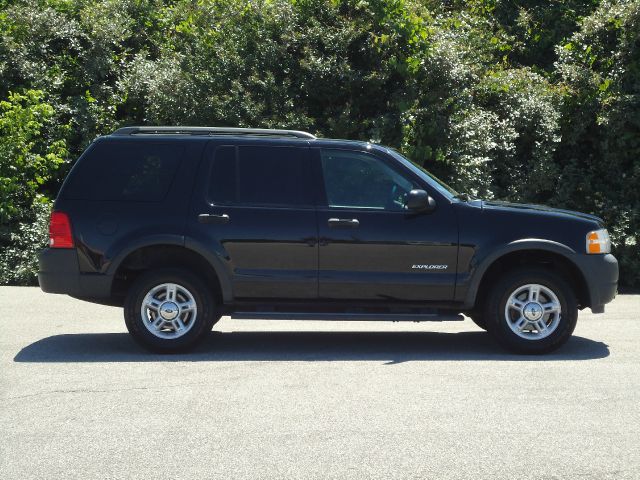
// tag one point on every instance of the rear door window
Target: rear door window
(261, 176)
(132, 172)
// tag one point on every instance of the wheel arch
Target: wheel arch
(551, 255)
(169, 255)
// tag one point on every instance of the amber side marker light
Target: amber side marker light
(598, 241)
(60, 231)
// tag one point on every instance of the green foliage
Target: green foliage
(312, 64)
(535, 28)
(19, 258)
(527, 133)
(600, 152)
(522, 100)
(27, 158)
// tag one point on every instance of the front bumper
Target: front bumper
(601, 275)
(60, 273)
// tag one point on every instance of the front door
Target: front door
(371, 246)
(255, 210)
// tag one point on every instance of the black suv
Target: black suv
(180, 225)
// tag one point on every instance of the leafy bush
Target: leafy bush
(27, 158)
(19, 259)
(528, 101)
(599, 157)
(527, 131)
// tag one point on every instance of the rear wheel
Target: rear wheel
(531, 311)
(169, 310)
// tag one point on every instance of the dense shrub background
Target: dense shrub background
(521, 100)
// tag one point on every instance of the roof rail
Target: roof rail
(260, 132)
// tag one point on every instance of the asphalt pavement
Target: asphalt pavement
(263, 399)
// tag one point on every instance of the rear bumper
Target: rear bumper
(601, 275)
(59, 273)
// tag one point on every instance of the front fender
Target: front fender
(483, 260)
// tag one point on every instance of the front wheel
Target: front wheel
(478, 319)
(531, 311)
(169, 310)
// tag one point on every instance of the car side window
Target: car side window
(125, 172)
(361, 180)
(261, 176)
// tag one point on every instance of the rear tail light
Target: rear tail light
(60, 231)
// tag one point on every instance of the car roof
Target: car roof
(250, 135)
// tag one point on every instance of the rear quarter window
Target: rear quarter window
(129, 172)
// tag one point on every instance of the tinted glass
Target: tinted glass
(360, 180)
(430, 178)
(222, 186)
(261, 175)
(125, 172)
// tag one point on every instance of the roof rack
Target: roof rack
(260, 132)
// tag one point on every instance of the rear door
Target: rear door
(371, 246)
(255, 209)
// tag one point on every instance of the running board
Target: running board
(397, 317)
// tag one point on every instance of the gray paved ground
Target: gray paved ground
(267, 399)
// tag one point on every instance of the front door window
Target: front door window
(360, 180)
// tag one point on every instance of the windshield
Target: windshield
(431, 179)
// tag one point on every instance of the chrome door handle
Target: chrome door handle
(214, 219)
(343, 222)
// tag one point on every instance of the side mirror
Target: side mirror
(420, 201)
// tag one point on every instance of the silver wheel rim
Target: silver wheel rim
(169, 310)
(533, 311)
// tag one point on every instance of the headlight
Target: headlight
(598, 241)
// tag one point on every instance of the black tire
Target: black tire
(207, 312)
(497, 323)
(478, 319)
